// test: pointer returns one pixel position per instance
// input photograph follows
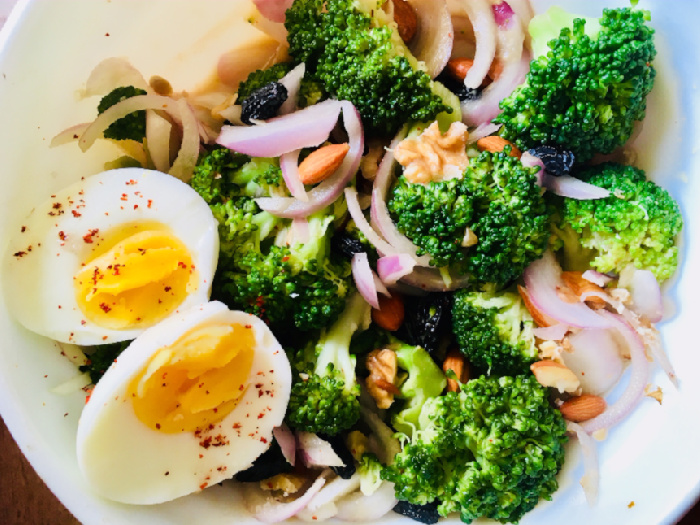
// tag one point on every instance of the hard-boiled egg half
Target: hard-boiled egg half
(189, 403)
(110, 256)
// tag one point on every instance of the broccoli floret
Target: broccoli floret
(494, 331)
(637, 224)
(130, 127)
(100, 358)
(492, 450)
(590, 88)
(497, 202)
(353, 48)
(325, 390)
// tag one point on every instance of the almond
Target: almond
(391, 312)
(555, 375)
(495, 70)
(406, 20)
(578, 285)
(495, 144)
(459, 67)
(582, 408)
(455, 361)
(540, 318)
(322, 163)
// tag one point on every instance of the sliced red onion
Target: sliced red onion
(647, 300)
(516, 64)
(568, 186)
(112, 73)
(303, 129)
(268, 510)
(355, 211)
(364, 279)
(503, 14)
(595, 359)
(542, 278)
(287, 441)
(591, 474)
(330, 189)
(289, 163)
(158, 130)
(317, 452)
(483, 130)
(596, 278)
(292, 81)
(391, 268)
(274, 10)
(485, 32)
(367, 509)
(637, 382)
(555, 332)
(432, 45)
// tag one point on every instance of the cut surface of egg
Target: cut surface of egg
(109, 256)
(189, 403)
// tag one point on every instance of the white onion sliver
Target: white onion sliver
(637, 382)
(69, 134)
(391, 268)
(158, 130)
(647, 299)
(364, 279)
(274, 10)
(433, 43)
(112, 73)
(333, 491)
(485, 31)
(186, 159)
(367, 509)
(292, 81)
(591, 474)
(287, 441)
(542, 278)
(306, 128)
(317, 452)
(355, 211)
(264, 508)
(483, 130)
(573, 188)
(551, 333)
(289, 164)
(596, 277)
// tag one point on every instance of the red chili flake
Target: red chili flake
(59, 306)
(167, 473)
(168, 288)
(285, 259)
(124, 197)
(19, 254)
(258, 385)
(201, 456)
(23, 229)
(150, 202)
(83, 322)
(130, 182)
(204, 485)
(206, 442)
(248, 326)
(263, 441)
(158, 426)
(104, 307)
(57, 205)
(241, 388)
(75, 213)
(104, 338)
(90, 235)
(261, 415)
(182, 265)
(237, 425)
(62, 235)
(136, 206)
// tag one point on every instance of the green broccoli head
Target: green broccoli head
(130, 127)
(497, 204)
(494, 331)
(492, 450)
(587, 92)
(325, 390)
(100, 358)
(637, 224)
(355, 52)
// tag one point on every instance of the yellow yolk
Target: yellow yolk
(139, 281)
(196, 381)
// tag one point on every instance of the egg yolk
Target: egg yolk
(196, 381)
(137, 282)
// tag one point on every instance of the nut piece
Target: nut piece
(391, 312)
(555, 375)
(286, 483)
(160, 85)
(459, 67)
(455, 361)
(540, 318)
(578, 285)
(322, 163)
(582, 408)
(496, 144)
(406, 20)
(432, 156)
(382, 375)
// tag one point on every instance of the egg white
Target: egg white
(126, 461)
(55, 239)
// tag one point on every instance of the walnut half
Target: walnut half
(382, 376)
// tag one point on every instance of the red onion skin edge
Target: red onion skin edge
(317, 452)
(503, 14)
(274, 10)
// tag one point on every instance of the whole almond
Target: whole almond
(391, 312)
(555, 375)
(578, 285)
(582, 408)
(540, 318)
(455, 361)
(496, 144)
(322, 163)
(406, 20)
(459, 67)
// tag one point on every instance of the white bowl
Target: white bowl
(47, 50)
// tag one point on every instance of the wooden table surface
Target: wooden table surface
(25, 500)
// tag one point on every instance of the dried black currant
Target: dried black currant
(427, 513)
(270, 463)
(556, 162)
(426, 320)
(346, 245)
(340, 448)
(458, 88)
(264, 103)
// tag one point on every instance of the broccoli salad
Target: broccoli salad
(426, 214)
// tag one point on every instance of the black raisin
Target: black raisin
(556, 162)
(346, 245)
(427, 513)
(270, 463)
(458, 88)
(340, 448)
(426, 320)
(264, 103)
